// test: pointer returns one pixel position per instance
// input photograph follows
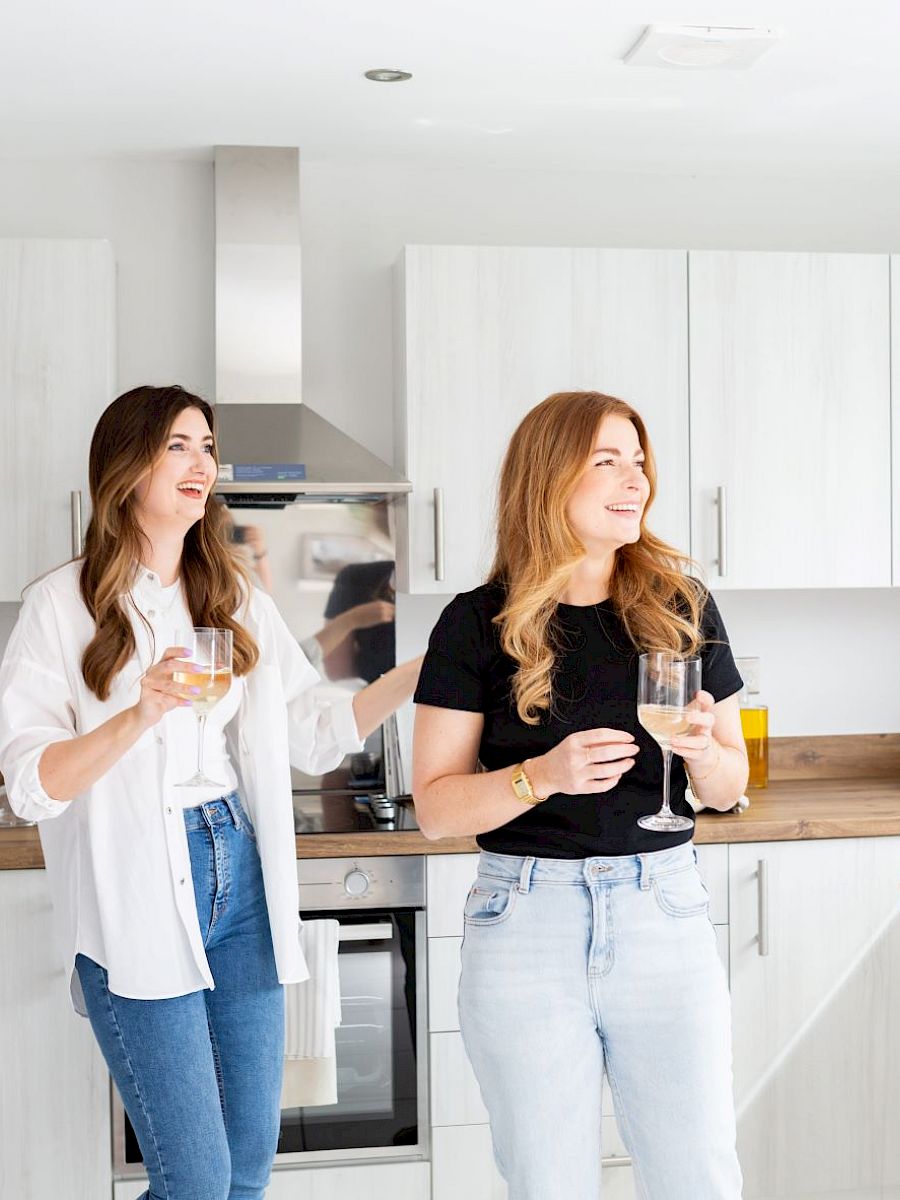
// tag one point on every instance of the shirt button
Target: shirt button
(181, 881)
(168, 810)
(151, 612)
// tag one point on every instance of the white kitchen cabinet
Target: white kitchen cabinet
(816, 1040)
(54, 1088)
(483, 335)
(790, 419)
(57, 374)
(463, 1164)
(455, 1094)
(129, 1189)
(895, 409)
(374, 1181)
(448, 878)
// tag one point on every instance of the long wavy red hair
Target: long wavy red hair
(537, 551)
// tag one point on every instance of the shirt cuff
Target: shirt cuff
(31, 790)
(343, 723)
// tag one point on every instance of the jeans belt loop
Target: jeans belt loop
(524, 884)
(645, 872)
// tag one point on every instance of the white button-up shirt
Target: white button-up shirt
(117, 855)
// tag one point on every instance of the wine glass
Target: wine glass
(667, 688)
(210, 662)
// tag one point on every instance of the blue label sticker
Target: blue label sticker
(267, 472)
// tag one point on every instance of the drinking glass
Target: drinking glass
(667, 689)
(210, 662)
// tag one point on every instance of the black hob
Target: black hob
(352, 812)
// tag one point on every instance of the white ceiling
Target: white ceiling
(505, 83)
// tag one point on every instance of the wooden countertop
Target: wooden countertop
(788, 810)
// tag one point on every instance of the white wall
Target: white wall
(159, 217)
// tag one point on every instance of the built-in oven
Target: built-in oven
(381, 1043)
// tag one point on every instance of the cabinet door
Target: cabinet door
(374, 1181)
(57, 374)
(816, 1045)
(895, 411)
(486, 333)
(54, 1088)
(790, 419)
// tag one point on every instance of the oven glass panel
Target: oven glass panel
(375, 1045)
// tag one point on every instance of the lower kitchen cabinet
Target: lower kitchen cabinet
(382, 1181)
(54, 1089)
(462, 1164)
(374, 1181)
(816, 1028)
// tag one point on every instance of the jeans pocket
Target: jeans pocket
(490, 901)
(246, 823)
(681, 894)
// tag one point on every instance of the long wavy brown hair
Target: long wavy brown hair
(130, 437)
(537, 550)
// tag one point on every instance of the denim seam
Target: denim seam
(107, 996)
(221, 897)
(217, 1063)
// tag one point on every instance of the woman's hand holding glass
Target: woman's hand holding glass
(160, 693)
(590, 761)
(697, 746)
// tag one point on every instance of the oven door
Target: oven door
(381, 1053)
(380, 1045)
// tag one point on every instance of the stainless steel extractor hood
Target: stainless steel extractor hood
(261, 421)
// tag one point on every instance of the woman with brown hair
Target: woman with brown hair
(587, 944)
(178, 904)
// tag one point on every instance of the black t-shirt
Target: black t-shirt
(595, 686)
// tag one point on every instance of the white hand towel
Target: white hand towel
(312, 1010)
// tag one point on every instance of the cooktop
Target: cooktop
(352, 812)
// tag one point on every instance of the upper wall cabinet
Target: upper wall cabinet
(790, 419)
(484, 334)
(57, 373)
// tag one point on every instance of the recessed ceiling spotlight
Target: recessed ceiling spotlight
(387, 75)
(703, 46)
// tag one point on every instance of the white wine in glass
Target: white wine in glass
(210, 659)
(667, 687)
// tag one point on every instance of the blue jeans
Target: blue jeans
(573, 966)
(200, 1075)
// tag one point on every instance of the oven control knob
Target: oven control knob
(356, 883)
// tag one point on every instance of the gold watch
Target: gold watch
(521, 786)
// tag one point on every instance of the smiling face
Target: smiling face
(172, 496)
(605, 509)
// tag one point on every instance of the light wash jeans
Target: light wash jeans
(200, 1075)
(572, 965)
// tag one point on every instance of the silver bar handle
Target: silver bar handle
(762, 896)
(382, 932)
(616, 1160)
(77, 538)
(439, 534)
(722, 515)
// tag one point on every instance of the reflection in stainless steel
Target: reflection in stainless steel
(330, 569)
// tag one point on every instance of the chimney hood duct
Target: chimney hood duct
(260, 419)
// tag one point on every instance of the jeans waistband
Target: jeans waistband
(530, 872)
(223, 810)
